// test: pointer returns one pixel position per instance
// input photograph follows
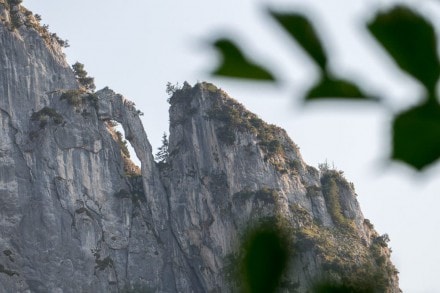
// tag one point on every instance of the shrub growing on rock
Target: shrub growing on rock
(44, 115)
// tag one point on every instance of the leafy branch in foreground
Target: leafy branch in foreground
(236, 64)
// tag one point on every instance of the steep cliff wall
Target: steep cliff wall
(75, 218)
(229, 171)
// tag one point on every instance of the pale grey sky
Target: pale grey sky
(136, 47)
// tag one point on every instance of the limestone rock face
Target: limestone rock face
(76, 217)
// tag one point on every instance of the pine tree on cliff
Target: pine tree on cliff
(81, 75)
(162, 154)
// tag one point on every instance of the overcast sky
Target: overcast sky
(136, 47)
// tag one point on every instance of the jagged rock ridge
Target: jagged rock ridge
(76, 216)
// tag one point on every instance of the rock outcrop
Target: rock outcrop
(77, 216)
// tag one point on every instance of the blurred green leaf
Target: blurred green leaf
(329, 88)
(411, 40)
(303, 32)
(235, 64)
(416, 135)
(266, 256)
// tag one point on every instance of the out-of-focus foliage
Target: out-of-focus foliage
(236, 64)
(265, 259)
(416, 135)
(301, 30)
(407, 37)
(411, 41)
(299, 27)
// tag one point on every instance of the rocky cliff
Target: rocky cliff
(77, 216)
